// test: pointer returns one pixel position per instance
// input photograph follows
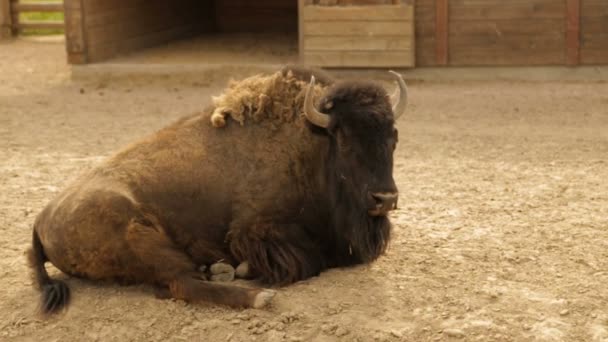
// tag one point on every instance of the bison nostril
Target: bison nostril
(387, 200)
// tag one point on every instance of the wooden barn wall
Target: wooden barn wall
(118, 26)
(425, 32)
(514, 32)
(594, 32)
(256, 16)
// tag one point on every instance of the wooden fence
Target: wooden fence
(10, 17)
(513, 32)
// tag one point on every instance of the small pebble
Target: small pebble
(564, 312)
(396, 333)
(341, 332)
(458, 333)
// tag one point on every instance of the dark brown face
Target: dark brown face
(364, 140)
(359, 119)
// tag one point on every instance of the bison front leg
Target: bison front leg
(174, 270)
(277, 254)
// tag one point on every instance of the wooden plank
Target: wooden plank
(500, 9)
(14, 18)
(38, 7)
(594, 9)
(506, 56)
(356, 43)
(5, 19)
(596, 41)
(506, 27)
(441, 32)
(360, 59)
(594, 57)
(425, 32)
(359, 13)
(573, 20)
(301, 6)
(594, 32)
(518, 43)
(39, 25)
(354, 28)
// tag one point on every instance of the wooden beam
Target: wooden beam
(76, 44)
(441, 31)
(5, 19)
(573, 31)
(301, 5)
(39, 25)
(14, 17)
(38, 7)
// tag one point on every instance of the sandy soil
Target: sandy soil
(502, 233)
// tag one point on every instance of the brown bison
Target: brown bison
(285, 194)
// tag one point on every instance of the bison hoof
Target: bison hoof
(242, 271)
(263, 298)
(221, 272)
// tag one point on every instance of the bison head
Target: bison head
(359, 121)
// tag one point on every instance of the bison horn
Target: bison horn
(399, 97)
(312, 114)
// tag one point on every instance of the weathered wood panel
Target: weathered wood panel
(425, 12)
(5, 19)
(442, 31)
(573, 31)
(359, 13)
(358, 36)
(594, 32)
(358, 58)
(388, 43)
(357, 28)
(76, 47)
(516, 32)
(38, 7)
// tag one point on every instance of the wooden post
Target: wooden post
(75, 41)
(14, 18)
(5, 19)
(573, 31)
(441, 31)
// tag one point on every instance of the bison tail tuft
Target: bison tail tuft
(55, 293)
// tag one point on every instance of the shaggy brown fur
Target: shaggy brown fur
(278, 97)
(290, 198)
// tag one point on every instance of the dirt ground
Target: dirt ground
(502, 234)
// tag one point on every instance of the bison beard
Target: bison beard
(367, 236)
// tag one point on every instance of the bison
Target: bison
(278, 181)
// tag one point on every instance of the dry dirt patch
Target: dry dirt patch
(502, 234)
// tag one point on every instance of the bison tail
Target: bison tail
(55, 293)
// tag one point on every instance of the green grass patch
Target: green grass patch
(41, 16)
